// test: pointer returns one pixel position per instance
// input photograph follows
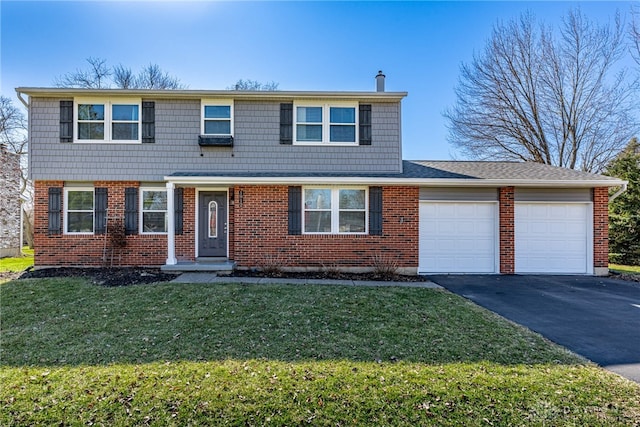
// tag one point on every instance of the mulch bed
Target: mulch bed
(125, 276)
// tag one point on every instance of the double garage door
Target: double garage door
(463, 237)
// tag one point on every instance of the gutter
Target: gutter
(623, 188)
(425, 182)
(198, 94)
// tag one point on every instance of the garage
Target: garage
(458, 237)
(553, 237)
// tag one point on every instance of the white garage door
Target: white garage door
(457, 237)
(553, 238)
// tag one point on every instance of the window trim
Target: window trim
(66, 211)
(216, 102)
(108, 103)
(142, 211)
(326, 122)
(335, 209)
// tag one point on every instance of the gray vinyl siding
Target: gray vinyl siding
(553, 195)
(256, 147)
(459, 194)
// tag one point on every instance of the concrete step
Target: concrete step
(217, 266)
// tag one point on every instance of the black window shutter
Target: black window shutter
(148, 121)
(100, 209)
(295, 210)
(286, 123)
(375, 211)
(66, 121)
(178, 200)
(131, 211)
(55, 207)
(365, 124)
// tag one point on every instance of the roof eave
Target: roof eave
(197, 94)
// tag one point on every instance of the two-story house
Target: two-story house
(304, 180)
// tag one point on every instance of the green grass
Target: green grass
(18, 263)
(175, 354)
(628, 269)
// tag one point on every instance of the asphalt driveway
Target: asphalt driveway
(598, 318)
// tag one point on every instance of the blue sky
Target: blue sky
(301, 45)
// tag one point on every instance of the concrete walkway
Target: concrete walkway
(213, 278)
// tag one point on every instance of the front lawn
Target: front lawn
(628, 269)
(17, 263)
(175, 354)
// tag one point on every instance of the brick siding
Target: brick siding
(258, 232)
(261, 233)
(507, 230)
(600, 227)
(96, 250)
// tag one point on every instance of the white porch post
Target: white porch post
(171, 232)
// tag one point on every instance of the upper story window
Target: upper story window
(335, 211)
(334, 123)
(107, 120)
(217, 117)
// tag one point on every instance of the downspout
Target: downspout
(622, 189)
(25, 103)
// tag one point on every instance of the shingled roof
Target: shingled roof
(496, 170)
(424, 172)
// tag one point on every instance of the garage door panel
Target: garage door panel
(457, 237)
(552, 238)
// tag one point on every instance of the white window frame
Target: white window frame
(66, 211)
(211, 102)
(326, 123)
(142, 211)
(335, 209)
(108, 103)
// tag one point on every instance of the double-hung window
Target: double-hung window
(153, 211)
(335, 210)
(325, 123)
(79, 211)
(217, 117)
(107, 120)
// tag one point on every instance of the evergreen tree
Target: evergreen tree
(624, 211)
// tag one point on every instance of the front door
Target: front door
(212, 224)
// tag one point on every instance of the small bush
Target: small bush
(385, 265)
(271, 265)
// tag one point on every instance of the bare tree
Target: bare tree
(537, 95)
(152, 77)
(123, 77)
(634, 33)
(101, 76)
(96, 77)
(253, 85)
(13, 134)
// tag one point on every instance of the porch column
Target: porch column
(171, 227)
